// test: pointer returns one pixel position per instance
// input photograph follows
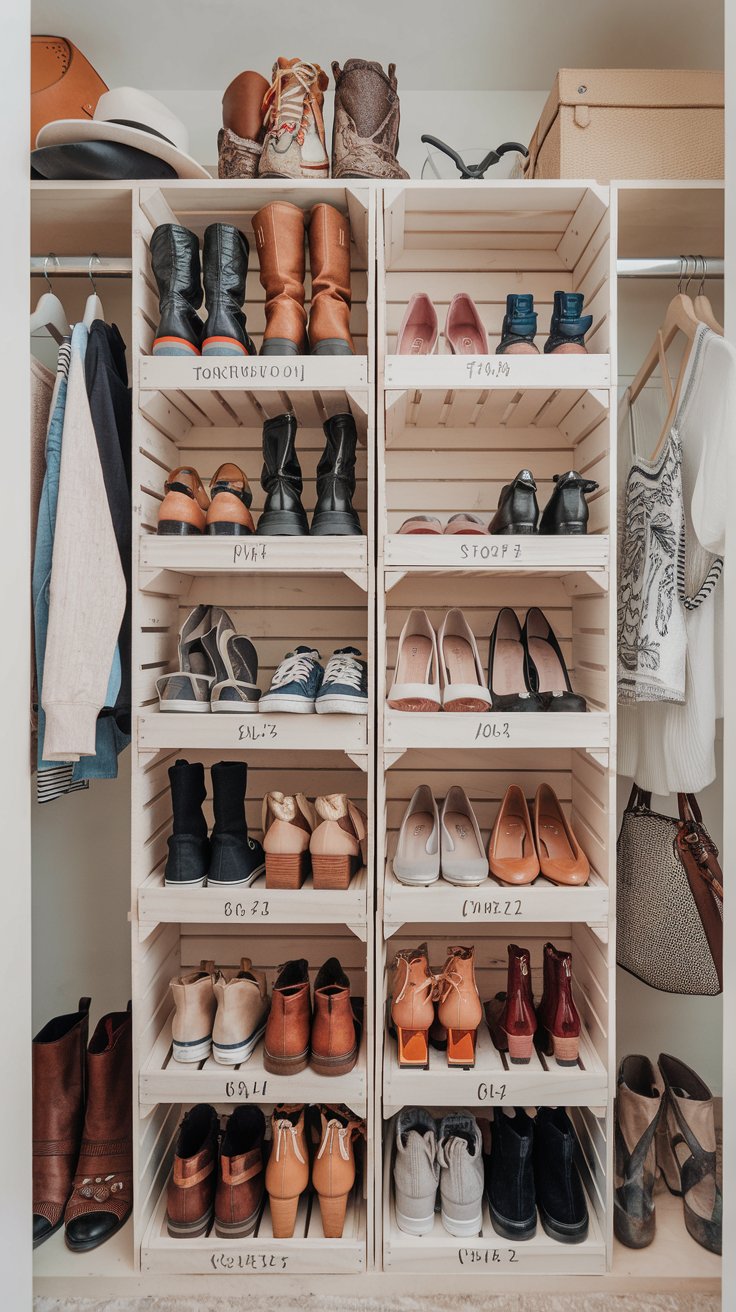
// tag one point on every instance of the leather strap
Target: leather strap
(189, 1181)
(239, 1177)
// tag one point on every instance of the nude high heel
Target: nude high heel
(459, 1007)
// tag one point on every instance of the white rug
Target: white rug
(404, 1303)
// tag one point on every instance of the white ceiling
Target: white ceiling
(493, 44)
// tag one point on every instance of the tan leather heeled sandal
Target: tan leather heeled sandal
(183, 510)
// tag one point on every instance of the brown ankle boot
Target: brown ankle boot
(289, 1025)
(279, 234)
(329, 261)
(333, 1172)
(365, 133)
(287, 1172)
(412, 1005)
(190, 1193)
(511, 1015)
(240, 140)
(557, 1014)
(59, 1055)
(459, 1007)
(294, 145)
(334, 1039)
(102, 1197)
(241, 1178)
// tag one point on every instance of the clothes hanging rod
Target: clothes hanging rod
(78, 266)
(670, 268)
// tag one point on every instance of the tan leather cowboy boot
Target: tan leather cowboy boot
(287, 824)
(294, 145)
(194, 1014)
(338, 841)
(59, 1056)
(459, 1007)
(412, 1007)
(329, 262)
(287, 1172)
(279, 232)
(190, 1193)
(241, 1179)
(333, 1171)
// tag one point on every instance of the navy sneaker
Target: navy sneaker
(344, 688)
(295, 683)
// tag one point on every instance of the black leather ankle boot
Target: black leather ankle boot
(568, 325)
(333, 513)
(567, 510)
(225, 260)
(176, 268)
(281, 479)
(235, 858)
(510, 1175)
(563, 1210)
(518, 510)
(519, 326)
(189, 848)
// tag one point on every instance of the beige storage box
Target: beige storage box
(606, 123)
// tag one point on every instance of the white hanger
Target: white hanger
(703, 307)
(93, 309)
(50, 315)
(680, 317)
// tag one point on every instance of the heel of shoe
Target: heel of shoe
(565, 1050)
(177, 528)
(461, 1047)
(520, 1048)
(283, 1216)
(286, 871)
(223, 346)
(226, 529)
(174, 346)
(413, 1048)
(332, 1211)
(333, 872)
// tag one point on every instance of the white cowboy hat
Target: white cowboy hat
(132, 118)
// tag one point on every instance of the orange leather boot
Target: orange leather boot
(279, 234)
(557, 1014)
(412, 1006)
(329, 261)
(333, 1172)
(334, 1038)
(287, 1172)
(230, 497)
(511, 1014)
(287, 824)
(289, 1024)
(459, 1007)
(184, 508)
(337, 845)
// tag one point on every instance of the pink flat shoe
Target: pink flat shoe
(466, 524)
(421, 524)
(419, 327)
(464, 331)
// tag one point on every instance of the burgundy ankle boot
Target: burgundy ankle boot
(511, 1014)
(557, 1014)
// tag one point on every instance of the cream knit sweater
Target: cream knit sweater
(87, 594)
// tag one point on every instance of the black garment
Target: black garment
(111, 407)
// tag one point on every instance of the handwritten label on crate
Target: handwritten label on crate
(250, 553)
(486, 1256)
(490, 1092)
(245, 1089)
(477, 908)
(255, 909)
(249, 1261)
(251, 372)
(492, 730)
(490, 551)
(256, 732)
(487, 367)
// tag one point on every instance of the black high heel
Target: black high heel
(567, 510)
(548, 674)
(509, 680)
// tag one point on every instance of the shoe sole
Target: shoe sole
(184, 708)
(411, 1225)
(234, 708)
(512, 1230)
(334, 1065)
(237, 1229)
(192, 1052)
(341, 705)
(289, 703)
(177, 528)
(238, 883)
(189, 1229)
(223, 346)
(285, 1065)
(234, 1056)
(174, 346)
(282, 524)
(462, 1229)
(185, 883)
(564, 1234)
(37, 1242)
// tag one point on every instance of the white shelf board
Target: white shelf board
(163, 1080)
(321, 733)
(255, 905)
(488, 1254)
(256, 555)
(306, 1252)
(493, 1080)
(517, 372)
(253, 374)
(527, 553)
(492, 903)
(464, 730)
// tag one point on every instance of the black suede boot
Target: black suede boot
(333, 513)
(560, 1197)
(567, 510)
(281, 479)
(236, 859)
(518, 510)
(225, 263)
(189, 848)
(176, 268)
(510, 1175)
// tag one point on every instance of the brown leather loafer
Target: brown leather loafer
(183, 511)
(286, 1045)
(228, 514)
(190, 1195)
(241, 1180)
(334, 1031)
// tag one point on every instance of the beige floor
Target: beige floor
(503, 1303)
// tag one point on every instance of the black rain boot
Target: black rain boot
(281, 479)
(568, 325)
(333, 513)
(510, 1176)
(567, 510)
(518, 510)
(563, 1210)
(225, 263)
(519, 327)
(176, 268)
(236, 858)
(189, 848)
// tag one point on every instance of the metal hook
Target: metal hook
(701, 288)
(690, 276)
(89, 271)
(682, 273)
(50, 256)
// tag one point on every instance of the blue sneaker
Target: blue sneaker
(295, 683)
(344, 688)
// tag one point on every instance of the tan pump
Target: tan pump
(412, 1006)
(333, 1171)
(287, 1171)
(459, 1008)
(337, 846)
(287, 824)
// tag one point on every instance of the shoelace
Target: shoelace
(450, 978)
(328, 1141)
(285, 1128)
(295, 669)
(290, 107)
(344, 669)
(427, 984)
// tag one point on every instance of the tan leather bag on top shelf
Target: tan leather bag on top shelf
(63, 83)
(605, 123)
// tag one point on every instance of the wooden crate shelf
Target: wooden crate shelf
(242, 557)
(549, 374)
(445, 731)
(319, 733)
(530, 554)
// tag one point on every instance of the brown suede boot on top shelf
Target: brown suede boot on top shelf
(365, 132)
(557, 1014)
(334, 1038)
(59, 1062)
(287, 1172)
(338, 841)
(289, 1025)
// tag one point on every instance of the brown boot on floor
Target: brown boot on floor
(289, 1025)
(279, 232)
(334, 1039)
(365, 133)
(337, 844)
(287, 1172)
(59, 1055)
(190, 1194)
(102, 1197)
(333, 1172)
(241, 1178)
(329, 262)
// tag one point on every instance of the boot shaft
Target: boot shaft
(225, 270)
(59, 1072)
(520, 318)
(176, 268)
(109, 1110)
(336, 467)
(229, 782)
(329, 262)
(568, 325)
(365, 134)
(518, 1013)
(557, 1010)
(281, 476)
(279, 234)
(188, 793)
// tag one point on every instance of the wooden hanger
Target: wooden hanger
(49, 315)
(679, 317)
(703, 307)
(93, 308)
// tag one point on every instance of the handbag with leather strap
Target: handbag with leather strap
(63, 83)
(669, 898)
